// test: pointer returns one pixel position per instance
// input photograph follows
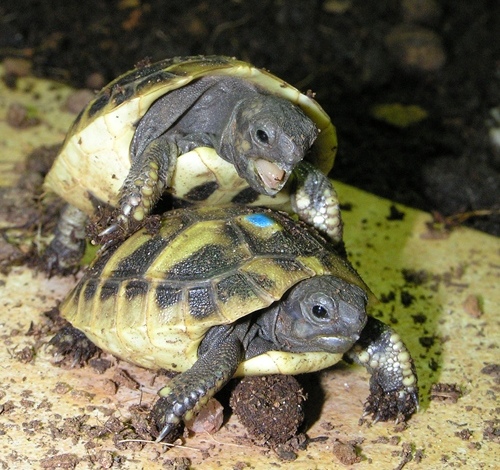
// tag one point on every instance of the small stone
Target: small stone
(425, 12)
(472, 306)
(123, 379)
(95, 81)
(337, 6)
(345, 452)
(494, 137)
(100, 365)
(209, 419)
(21, 116)
(78, 100)
(416, 48)
(17, 66)
(109, 387)
(444, 392)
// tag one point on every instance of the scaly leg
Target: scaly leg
(149, 175)
(316, 202)
(393, 382)
(188, 392)
(65, 251)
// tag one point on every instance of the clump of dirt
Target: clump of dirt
(445, 392)
(68, 461)
(492, 431)
(270, 408)
(346, 452)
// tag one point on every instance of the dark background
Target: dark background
(440, 55)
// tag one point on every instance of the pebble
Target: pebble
(78, 100)
(95, 81)
(17, 66)
(426, 12)
(494, 136)
(337, 6)
(209, 419)
(416, 48)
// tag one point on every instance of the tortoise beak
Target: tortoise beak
(336, 344)
(272, 177)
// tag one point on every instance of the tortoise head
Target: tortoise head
(323, 313)
(265, 138)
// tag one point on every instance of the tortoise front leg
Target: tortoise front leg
(393, 382)
(316, 202)
(149, 175)
(187, 393)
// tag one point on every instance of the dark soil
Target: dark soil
(271, 410)
(442, 56)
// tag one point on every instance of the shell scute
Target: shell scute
(166, 296)
(276, 237)
(137, 263)
(235, 287)
(95, 107)
(269, 276)
(109, 290)
(90, 289)
(208, 261)
(136, 288)
(201, 302)
(201, 251)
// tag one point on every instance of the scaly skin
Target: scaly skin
(72, 345)
(62, 256)
(144, 185)
(187, 393)
(316, 201)
(393, 382)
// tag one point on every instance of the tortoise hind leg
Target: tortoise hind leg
(72, 346)
(187, 393)
(66, 249)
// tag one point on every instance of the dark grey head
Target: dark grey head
(323, 313)
(265, 138)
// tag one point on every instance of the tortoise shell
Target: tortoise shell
(95, 158)
(152, 299)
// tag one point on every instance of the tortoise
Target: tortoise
(207, 129)
(217, 292)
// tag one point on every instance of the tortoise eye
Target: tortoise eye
(262, 136)
(320, 312)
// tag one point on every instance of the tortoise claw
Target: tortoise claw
(114, 233)
(167, 429)
(109, 231)
(167, 422)
(121, 224)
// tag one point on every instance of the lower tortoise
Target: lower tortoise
(220, 292)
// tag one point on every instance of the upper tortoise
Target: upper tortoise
(210, 130)
(214, 292)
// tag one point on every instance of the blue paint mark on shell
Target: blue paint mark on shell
(260, 220)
